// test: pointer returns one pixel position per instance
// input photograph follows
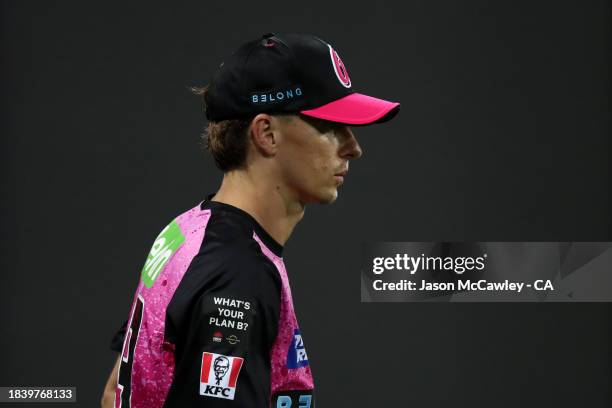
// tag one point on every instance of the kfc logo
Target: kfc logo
(219, 375)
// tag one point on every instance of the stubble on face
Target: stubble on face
(309, 160)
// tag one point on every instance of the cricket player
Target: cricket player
(212, 322)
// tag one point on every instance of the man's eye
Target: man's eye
(328, 127)
(322, 126)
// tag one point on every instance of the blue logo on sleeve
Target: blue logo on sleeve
(296, 357)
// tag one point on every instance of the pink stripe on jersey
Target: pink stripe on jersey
(206, 361)
(153, 360)
(283, 378)
(236, 365)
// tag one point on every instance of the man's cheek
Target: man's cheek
(322, 163)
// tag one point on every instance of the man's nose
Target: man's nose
(349, 147)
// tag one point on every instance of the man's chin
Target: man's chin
(322, 197)
(329, 197)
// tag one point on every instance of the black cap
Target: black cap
(291, 73)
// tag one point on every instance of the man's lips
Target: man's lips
(339, 177)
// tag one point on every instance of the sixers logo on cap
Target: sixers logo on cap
(219, 375)
(339, 68)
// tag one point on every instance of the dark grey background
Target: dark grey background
(503, 135)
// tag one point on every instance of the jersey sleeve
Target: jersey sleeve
(116, 343)
(223, 320)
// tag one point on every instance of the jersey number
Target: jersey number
(293, 399)
(124, 387)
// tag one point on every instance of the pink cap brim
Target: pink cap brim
(355, 109)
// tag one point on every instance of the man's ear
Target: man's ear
(264, 132)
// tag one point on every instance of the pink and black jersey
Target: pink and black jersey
(212, 323)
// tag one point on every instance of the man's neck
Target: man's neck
(264, 200)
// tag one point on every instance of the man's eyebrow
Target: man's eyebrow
(320, 124)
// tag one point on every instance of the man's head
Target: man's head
(284, 105)
(307, 157)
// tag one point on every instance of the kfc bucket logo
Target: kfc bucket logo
(339, 68)
(219, 375)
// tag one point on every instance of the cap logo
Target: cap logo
(271, 97)
(339, 68)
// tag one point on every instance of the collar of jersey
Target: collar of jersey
(267, 239)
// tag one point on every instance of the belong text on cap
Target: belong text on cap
(291, 73)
